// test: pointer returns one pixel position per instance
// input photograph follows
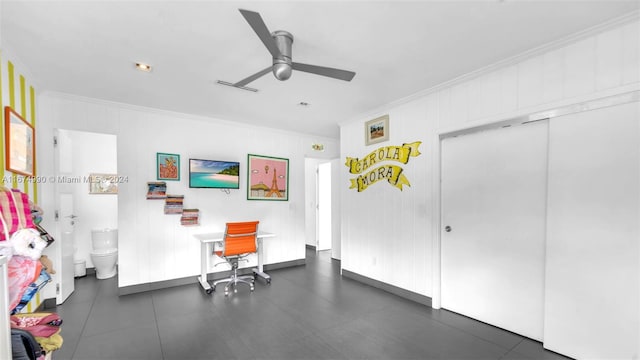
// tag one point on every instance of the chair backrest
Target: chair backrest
(240, 238)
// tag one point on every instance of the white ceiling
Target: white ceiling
(396, 49)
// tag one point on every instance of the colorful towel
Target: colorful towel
(15, 210)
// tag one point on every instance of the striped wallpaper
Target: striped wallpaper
(16, 92)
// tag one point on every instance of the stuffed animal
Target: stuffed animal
(27, 242)
(47, 264)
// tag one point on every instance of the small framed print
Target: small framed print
(103, 183)
(168, 166)
(376, 130)
(20, 144)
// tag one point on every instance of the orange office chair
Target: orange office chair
(240, 240)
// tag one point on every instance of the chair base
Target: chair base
(233, 281)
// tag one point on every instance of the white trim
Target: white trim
(539, 110)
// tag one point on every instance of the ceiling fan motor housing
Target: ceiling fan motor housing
(282, 65)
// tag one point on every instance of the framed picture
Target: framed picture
(168, 166)
(376, 130)
(103, 184)
(20, 143)
(267, 178)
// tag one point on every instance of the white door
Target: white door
(66, 218)
(324, 206)
(592, 308)
(493, 226)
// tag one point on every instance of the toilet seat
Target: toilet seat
(104, 252)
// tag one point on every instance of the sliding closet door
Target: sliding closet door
(493, 226)
(593, 252)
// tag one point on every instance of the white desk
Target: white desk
(207, 243)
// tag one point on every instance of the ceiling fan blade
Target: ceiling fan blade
(253, 77)
(257, 24)
(324, 71)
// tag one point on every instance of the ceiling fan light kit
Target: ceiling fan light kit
(278, 43)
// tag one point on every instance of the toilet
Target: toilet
(104, 253)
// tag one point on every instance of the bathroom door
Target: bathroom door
(64, 186)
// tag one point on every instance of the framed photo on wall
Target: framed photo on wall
(376, 130)
(103, 184)
(20, 143)
(267, 178)
(168, 166)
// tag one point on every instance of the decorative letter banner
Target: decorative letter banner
(392, 173)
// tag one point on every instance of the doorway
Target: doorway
(322, 205)
(78, 155)
(323, 217)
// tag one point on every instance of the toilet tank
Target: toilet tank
(104, 238)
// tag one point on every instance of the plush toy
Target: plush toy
(47, 264)
(27, 242)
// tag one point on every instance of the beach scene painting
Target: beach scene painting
(214, 174)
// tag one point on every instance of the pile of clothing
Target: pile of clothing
(34, 335)
(22, 241)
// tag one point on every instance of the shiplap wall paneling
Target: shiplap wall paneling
(593, 66)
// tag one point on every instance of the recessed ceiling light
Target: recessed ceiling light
(143, 67)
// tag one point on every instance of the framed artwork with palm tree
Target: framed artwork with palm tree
(168, 166)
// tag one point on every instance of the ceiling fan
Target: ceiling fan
(279, 45)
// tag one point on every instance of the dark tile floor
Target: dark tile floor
(308, 312)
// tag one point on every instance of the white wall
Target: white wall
(336, 215)
(589, 68)
(387, 233)
(153, 246)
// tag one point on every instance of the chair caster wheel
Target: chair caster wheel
(209, 291)
(269, 282)
(226, 293)
(252, 288)
(235, 291)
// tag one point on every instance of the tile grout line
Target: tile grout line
(155, 317)
(84, 324)
(512, 348)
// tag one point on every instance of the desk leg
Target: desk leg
(204, 266)
(259, 271)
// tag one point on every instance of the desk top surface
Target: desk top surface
(219, 236)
